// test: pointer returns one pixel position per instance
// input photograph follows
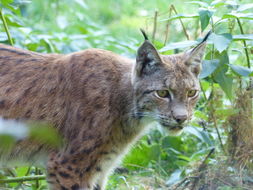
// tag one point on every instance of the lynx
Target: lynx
(99, 102)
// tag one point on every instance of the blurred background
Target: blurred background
(216, 149)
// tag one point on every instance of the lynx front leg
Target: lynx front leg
(101, 181)
(65, 174)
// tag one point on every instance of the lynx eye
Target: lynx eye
(192, 93)
(163, 93)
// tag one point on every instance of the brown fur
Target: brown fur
(99, 102)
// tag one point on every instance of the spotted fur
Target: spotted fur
(99, 102)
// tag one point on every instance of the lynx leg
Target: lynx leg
(64, 175)
(101, 182)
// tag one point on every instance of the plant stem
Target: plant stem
(21, 179)
(184, 29)
(155, 25)
(246, 50)
(212, 51)
(204, 94)
(172, 8)
(37, 181)
(28, 171)
(244, 42)
(201, 168)
(6, 27)
(167, 27)
(212, 111)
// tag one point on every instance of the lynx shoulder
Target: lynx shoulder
(100, 103)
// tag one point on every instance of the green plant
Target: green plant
(67, 26)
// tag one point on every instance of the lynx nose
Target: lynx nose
(180, 118)
(179, 113)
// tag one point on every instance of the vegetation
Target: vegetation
(215, 151)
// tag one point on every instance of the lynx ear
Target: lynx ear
(195, 55)
(147, 58)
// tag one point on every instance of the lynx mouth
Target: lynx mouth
(171, 127)
(173, 130)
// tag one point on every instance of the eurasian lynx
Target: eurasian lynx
(99, 102)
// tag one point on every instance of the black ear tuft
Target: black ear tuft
(203, 42)
(144, 34)
(206, 36)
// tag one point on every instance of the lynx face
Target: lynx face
(166, 88)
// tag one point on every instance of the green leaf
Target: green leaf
(205, 16)
(248, 16)
(202, 135)
(240, 70)
(218, 3)
(200, 3)
(243, 37)
(6, 142)
(180, 16)
(208, 67)
(223, 60)
(141, 156)
(172, 142)
(219, 75)
(221, 41)
(178, 45)
(44, 133)
(199, 154)
(225, 83)
(6, 2)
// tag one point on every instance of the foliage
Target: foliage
(67, 26)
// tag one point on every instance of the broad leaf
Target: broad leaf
(205, 16)
(208, 67)
(141, 156)
(202, 135)
(248, 16)
(240, 70)
(221, 41)
(172, 142)
(220, 76)
(223, 59)
(225, 83)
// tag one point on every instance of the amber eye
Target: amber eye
(192, 93)
(163, 93)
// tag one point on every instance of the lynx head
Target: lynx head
(166, 87)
